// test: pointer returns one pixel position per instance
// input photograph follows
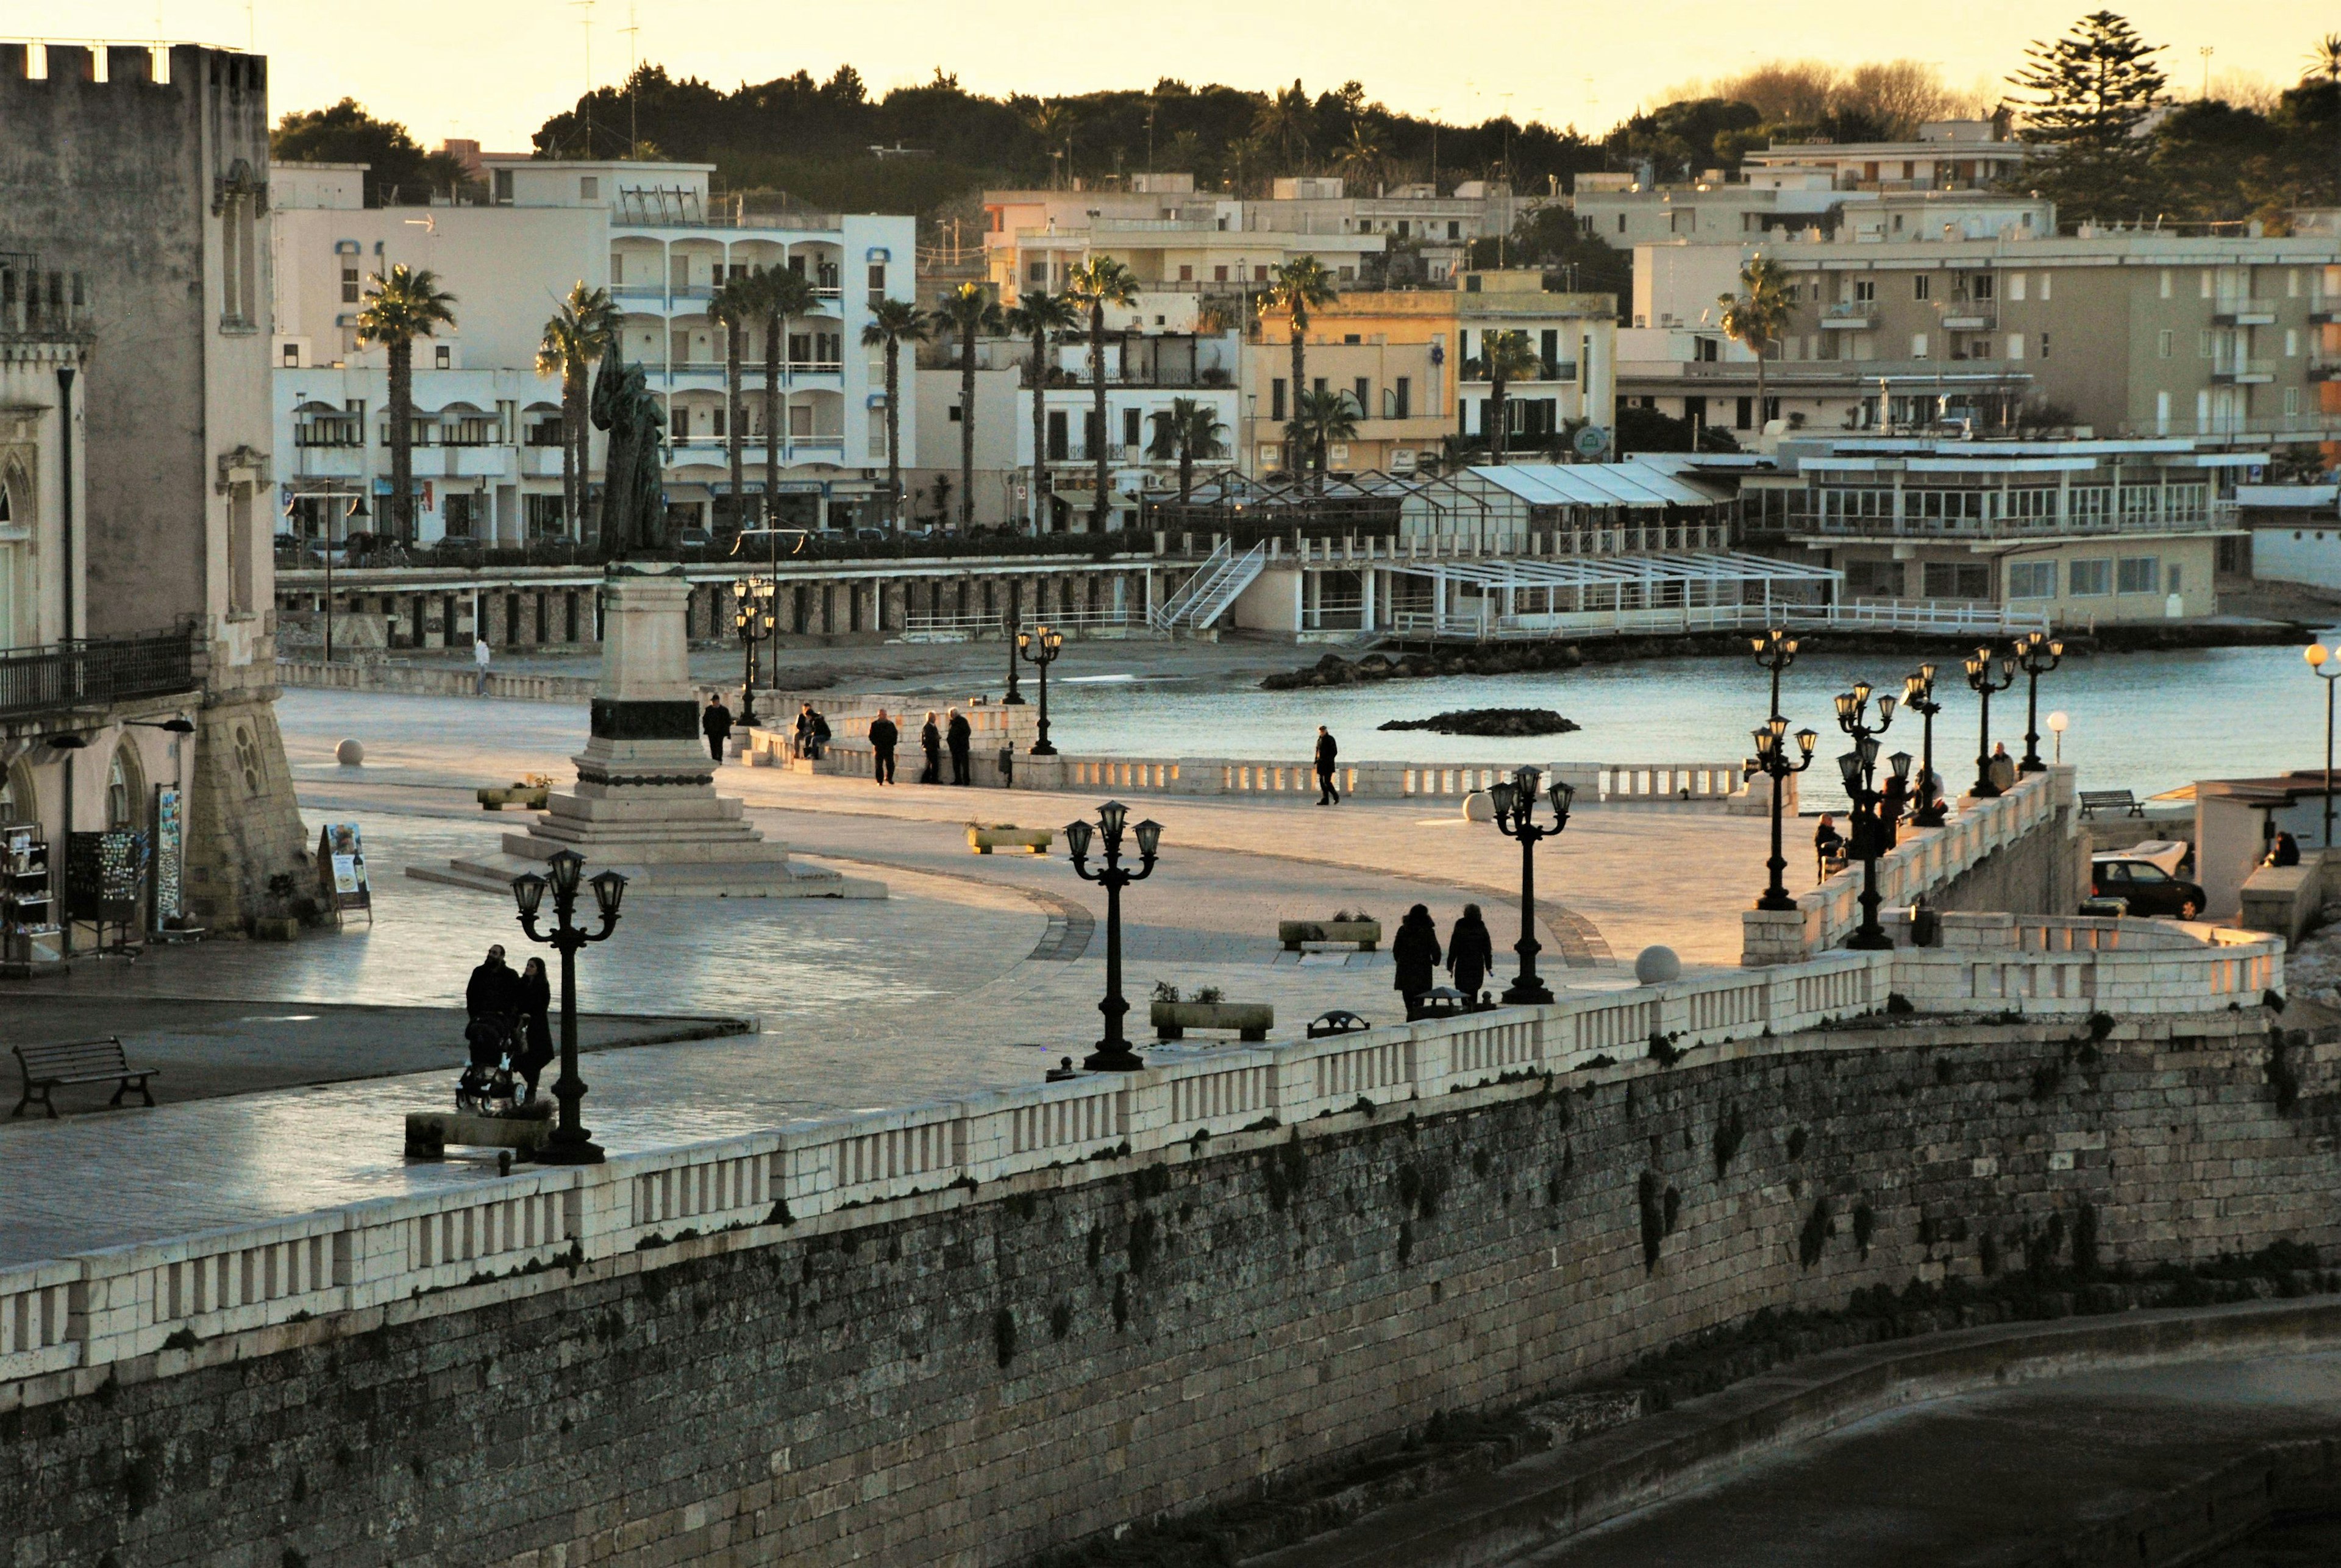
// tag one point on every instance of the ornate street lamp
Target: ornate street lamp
(2321, 660)
(1872, 834)
(571, 1143)
(754, 620)
(1981, 681)
(1775, 651)
(1114, 1054)
(1515, 805)
(1011, 619)
(1042, 646)
(2038, 656)
(1773, 761)
(1919, 697)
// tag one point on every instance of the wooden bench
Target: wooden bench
(49, 1066)
(2092, 800)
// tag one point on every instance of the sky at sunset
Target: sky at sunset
(494, 69)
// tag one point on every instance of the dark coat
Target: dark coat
(535, 1003)
(930, 741)
(958, 734)
(1416, 952)
(884, 734)
(1471, 953)
(1327, 749)
(716, 722)
(494, 988)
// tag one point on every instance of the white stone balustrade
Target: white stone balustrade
(128, 1302)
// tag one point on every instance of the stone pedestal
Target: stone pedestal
(644, 803)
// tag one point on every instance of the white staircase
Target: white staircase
(1215, 585)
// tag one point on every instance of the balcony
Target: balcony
(2322, 312)
(1856, 315)
(1969, 315)
(2234, 311)
(96, 671)
(2239, 371)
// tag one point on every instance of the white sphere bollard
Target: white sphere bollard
(349, 753)
(1656, 965)
(1479, 806)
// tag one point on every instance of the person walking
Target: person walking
(715, 723)
(1415, 951)
(480, 657)
(1328, 750)
(930, 741)
(883, 737)
(1471, 953)
(959, 737)
(536, 1024)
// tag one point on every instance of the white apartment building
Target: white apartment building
(487, 458)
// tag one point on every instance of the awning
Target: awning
(1715, 567)
(1628, 483)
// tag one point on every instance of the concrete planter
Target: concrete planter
(1249, 1020)
(1366, 933)
(270, 929)
(1036, 840)
(532, 794)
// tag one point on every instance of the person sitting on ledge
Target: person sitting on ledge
(2286, 850)
(1829, 846)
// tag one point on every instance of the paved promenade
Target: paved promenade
(978, 972)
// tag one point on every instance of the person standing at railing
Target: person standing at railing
(959, 738)
(883, 737)
(930, 741)
(1328, 751)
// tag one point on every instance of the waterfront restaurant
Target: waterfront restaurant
(2082, 532)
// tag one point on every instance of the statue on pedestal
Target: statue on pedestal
(634, 503)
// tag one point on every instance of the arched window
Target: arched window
(17, 803)
(125, 789)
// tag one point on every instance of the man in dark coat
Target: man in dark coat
(491, 998)
(883, 737)
(1328, 750)
(1471, 953)
(715, 723)
(957, 736)
(930, 741)
(1415, 951)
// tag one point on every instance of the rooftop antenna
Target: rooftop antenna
(251, 30)
(584, 9)
(634, 64)
(2206, 52)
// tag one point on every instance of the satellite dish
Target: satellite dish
(1591, 441)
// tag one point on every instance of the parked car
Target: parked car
(2149, 889)
(693, 539)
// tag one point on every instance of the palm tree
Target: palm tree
(1360, 157)
(1299, 287)
(1187, 430)
(2324, 58)
(733, 307)
(401, 306)
(969, 312)
(1756, 315)
(892, 323)
(1095, 283)
(1283, 123)
(779, 295)
(1318, 419)
(579, 330)
(1037, 315)
(1507, 358)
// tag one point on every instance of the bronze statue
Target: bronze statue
(633, 504)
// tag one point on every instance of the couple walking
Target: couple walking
(1470, 954)
(953, 734)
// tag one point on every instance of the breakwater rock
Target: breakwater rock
(1490, 722)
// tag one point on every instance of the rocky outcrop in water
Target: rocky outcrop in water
(1490, 722)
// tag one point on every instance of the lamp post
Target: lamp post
(1775, 651)
(1773, 761)
(2058, 723)
(1515, 805)
(1919, 697)
(1011, 618)
(754, 619)
(2038, 656)
(1114, 1054)
(1042, 646)
(1981, 682)
(571, 1143)
(1872, 833)
(2321, 660)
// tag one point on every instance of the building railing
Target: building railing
(2233, 366)
(1888, 615)
(94, 671)
(961, 628)
(119, 1304)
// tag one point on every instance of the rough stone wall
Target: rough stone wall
(2046, 872)
(243, 822)
(969, 1378)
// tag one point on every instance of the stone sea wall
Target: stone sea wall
(973, 1375)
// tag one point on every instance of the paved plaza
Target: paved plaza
(976, 971)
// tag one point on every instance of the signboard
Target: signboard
(104, 873)
(170, 853)
(342, 870)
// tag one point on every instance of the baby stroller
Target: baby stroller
(487, 1086)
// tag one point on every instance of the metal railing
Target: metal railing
(94, 671)
(962, 628)
(1891, 616)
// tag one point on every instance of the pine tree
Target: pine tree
(2092, 87)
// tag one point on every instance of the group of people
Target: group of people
(948, 731)
(1469, 955)
(507, 1012)
(1899, 797)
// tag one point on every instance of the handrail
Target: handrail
(118, 1303)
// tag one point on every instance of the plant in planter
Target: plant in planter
(1210, 1009)
(983, 839)
(282, 910)
(1348, 926)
